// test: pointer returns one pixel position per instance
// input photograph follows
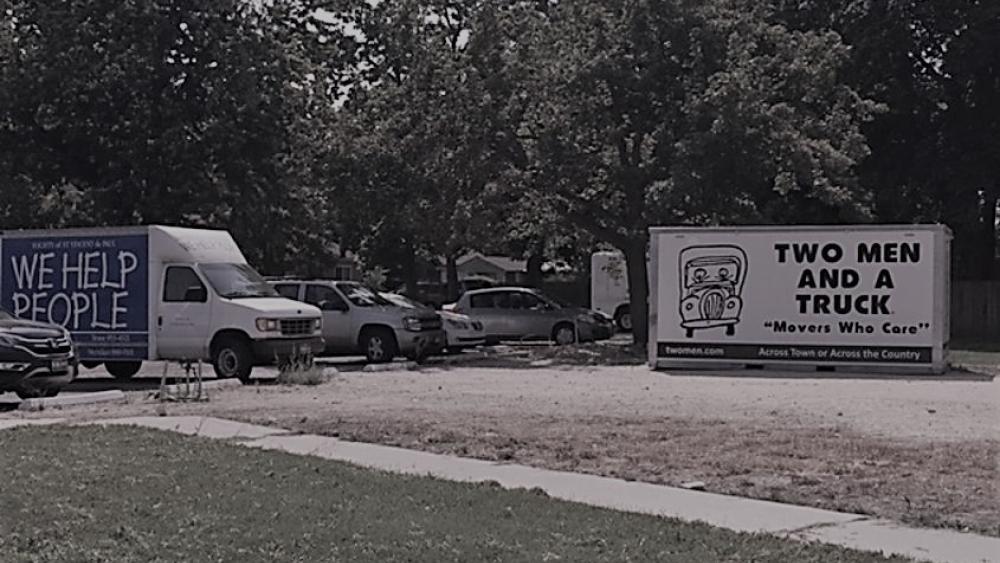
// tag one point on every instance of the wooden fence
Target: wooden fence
(975, 310)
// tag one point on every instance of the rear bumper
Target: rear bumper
(267, 351)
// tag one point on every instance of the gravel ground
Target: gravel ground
(924, 451)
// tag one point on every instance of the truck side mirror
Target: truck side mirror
(196, 294)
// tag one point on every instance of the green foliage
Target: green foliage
(169, 111)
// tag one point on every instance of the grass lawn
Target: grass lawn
(124, 494)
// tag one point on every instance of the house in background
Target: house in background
(500, 269)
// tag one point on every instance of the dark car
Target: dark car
(36, 359)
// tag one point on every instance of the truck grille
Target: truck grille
(430, 323)
(297, 327)
(47, 346)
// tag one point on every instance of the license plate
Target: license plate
(60, 365)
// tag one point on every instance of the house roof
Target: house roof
(501, 262)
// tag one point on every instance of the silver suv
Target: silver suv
(357, 320)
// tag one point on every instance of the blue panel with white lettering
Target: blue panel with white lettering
(95, 286)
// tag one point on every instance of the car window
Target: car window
(502, 300)
(515, 300)
(320, 294)
(481, 301)
(530, 301)
(289, 290)
(179, 280)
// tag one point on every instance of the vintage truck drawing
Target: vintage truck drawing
(712, 279)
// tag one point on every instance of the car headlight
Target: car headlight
(13, 366)
(458, 324)
(268, 325)
(412, 323)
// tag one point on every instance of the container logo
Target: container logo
(712, 279)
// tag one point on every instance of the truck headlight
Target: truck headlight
(268, 325)
(317, 324)
(412, 324)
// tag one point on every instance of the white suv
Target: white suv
(357, 320)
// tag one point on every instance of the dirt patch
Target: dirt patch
(922, 452)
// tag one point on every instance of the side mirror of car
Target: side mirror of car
(196, 294)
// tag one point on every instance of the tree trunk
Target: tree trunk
(988, 242)
(534, 266)
(410, 268)
(638, 290)
(451, 273)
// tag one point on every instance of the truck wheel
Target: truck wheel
(564, 334)
(90, 365)
(379, 345)
(232, 357)
(123, 370)
(623, 319)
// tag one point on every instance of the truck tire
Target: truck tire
(232, 357)
(123, 370)
(90, 364)
(379, 345)
(623, 318)
(563, 334)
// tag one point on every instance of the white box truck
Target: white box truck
(609, 287)
(131, 294)
(853, 297)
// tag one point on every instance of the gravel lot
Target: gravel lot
(922, 451)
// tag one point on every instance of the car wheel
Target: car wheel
(25, 393)
(379, 346)
(564, 334)
(623, 318)
(123, 370)
(232, 357)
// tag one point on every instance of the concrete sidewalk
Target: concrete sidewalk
(735, 513)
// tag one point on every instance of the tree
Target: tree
(669, 113)
(167, 111)
(426, 129)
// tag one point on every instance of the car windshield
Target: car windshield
(362, 296)
(237, 281)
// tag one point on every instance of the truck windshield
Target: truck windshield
(361, 296)
(236, 281)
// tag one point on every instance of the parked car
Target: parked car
(519, 313)
(357, 320)
(435, 294)
(36, 359)
(461, 330)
